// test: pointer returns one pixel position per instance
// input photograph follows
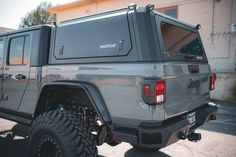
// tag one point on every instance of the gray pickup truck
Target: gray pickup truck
(132, 75)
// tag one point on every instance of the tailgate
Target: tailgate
(186, 68)
(187, 87)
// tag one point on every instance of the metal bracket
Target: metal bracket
(132, 6)
(149, 7)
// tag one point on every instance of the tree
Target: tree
(38, 16)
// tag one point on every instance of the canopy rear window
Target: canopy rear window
(180, 40)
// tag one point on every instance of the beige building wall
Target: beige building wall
(215, 17)
(3, 29)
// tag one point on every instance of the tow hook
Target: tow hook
(194, 137)
(182, 135)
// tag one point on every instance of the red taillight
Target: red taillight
(147, 91)
(160, 92)
(154, 92)
(212, 81)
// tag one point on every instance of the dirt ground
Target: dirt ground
(218, 139)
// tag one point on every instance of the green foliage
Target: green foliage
(38, 16)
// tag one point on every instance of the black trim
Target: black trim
(92, 92)
(33, 28)
(167, 132)
(16, 116)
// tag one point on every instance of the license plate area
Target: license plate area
(191, 117)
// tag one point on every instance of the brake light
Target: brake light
(147, 91)
(212, 81)
(160, 92)
(154, 92)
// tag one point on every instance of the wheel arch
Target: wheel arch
(91, 91)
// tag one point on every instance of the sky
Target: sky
(11, 11)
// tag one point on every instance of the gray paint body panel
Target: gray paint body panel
(116, 82)
(181, 98)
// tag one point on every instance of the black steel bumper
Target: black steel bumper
(158, 136)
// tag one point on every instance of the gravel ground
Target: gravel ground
(218, 139)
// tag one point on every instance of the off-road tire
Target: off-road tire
(60, 134)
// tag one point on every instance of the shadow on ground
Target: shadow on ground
(17, 147)
(12, 148)
(134, 153)
(226, 119)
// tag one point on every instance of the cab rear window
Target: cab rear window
(180, 40)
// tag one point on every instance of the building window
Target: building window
(170, 11)
(19, 50)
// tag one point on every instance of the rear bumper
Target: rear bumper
(158, 136)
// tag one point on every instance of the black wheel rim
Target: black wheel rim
(48, 147)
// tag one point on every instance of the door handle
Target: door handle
(20, 77)
(4, 96)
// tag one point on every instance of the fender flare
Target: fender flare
(92, 92)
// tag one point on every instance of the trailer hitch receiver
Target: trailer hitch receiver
(194, 137)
